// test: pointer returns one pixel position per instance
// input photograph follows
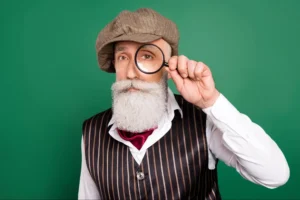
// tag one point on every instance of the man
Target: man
(153, 144)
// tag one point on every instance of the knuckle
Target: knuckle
(181, 69)
(200, 63)
(197, 72)
(192, 62)
(182, 58)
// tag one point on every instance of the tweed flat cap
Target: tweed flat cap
(143, 25)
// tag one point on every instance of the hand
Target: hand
(193, 80)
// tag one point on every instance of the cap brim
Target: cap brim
(105, 52)
(141, 38)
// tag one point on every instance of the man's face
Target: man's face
(125, 52)
(139, 100)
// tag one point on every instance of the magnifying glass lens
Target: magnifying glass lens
(149, 59)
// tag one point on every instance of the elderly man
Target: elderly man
(153, 144)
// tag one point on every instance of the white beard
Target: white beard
(140, 110)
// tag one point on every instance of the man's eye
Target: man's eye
(147, 57)
(122, 58)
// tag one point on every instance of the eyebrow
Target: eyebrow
(120, 48)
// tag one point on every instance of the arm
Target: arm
(244, 145)
(235, 139)
(87, 187)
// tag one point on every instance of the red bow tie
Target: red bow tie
(137, 139)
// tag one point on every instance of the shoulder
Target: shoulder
(92, 120)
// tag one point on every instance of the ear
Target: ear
(168, 72)
(169, 75)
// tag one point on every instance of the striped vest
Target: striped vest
(175, 167)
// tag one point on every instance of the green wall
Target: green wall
(50, 82)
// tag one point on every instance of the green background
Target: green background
(50, 82)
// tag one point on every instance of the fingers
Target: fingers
(173, 63)
(173, 72)
(178, 80)
(191, 68)
(183, 66)
(198, 70)
(187, 68)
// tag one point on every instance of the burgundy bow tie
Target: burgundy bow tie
(137, 139)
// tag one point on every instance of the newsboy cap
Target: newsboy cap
(143, 25)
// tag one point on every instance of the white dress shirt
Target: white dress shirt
(232, 138)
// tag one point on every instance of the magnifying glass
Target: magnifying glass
(149, 59)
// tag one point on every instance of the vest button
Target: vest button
(140, 176)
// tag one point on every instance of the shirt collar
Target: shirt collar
(172, 105)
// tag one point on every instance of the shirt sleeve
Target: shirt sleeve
(244, 145)
(87, 186)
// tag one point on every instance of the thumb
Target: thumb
(178, 80)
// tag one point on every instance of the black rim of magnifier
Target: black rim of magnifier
(164, 63)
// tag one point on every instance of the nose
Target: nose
(132, 72)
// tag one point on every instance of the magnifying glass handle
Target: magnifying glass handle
(166, 64)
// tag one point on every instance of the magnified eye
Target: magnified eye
(147, 57)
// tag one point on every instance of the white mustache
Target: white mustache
(122, 86)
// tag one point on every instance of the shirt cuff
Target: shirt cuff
(221, 109)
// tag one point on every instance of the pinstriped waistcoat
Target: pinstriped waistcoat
(175, 167)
